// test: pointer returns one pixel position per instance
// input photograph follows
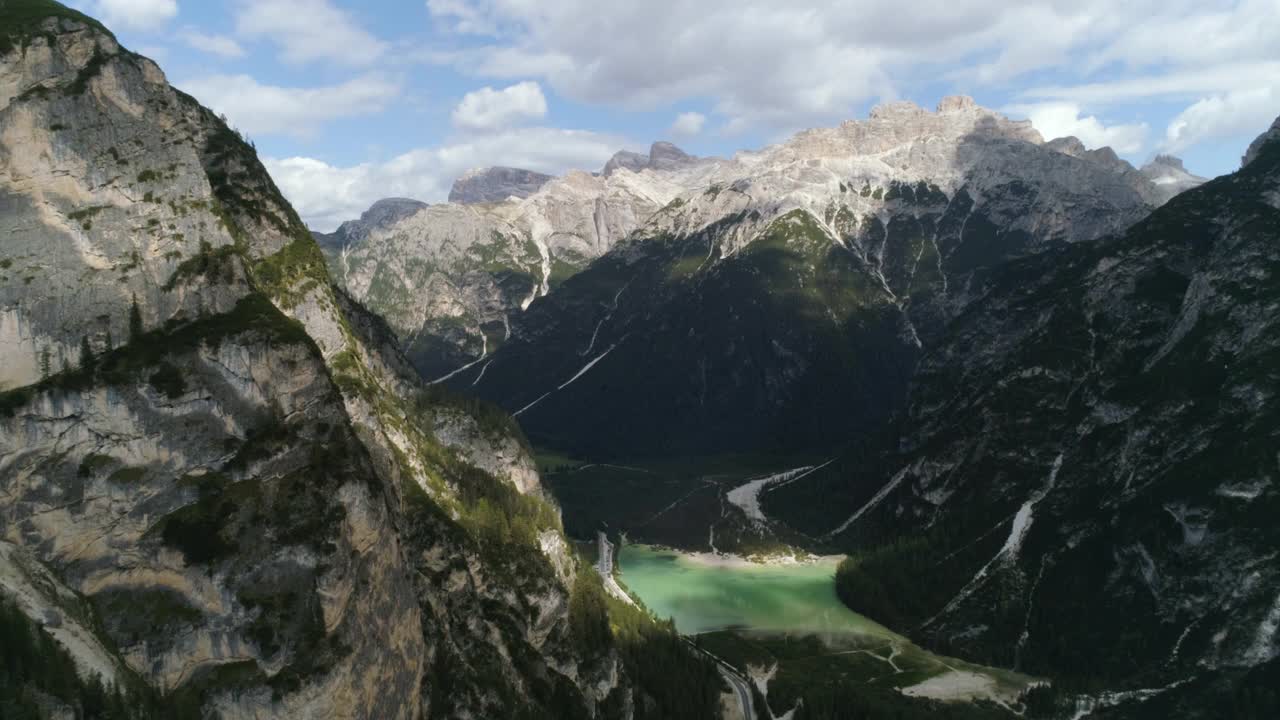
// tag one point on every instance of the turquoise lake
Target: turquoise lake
(703, 593)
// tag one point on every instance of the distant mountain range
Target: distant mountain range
(525, 233)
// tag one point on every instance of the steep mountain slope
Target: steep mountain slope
(450, 277)
(218, 476)
(1087, 466)
(783, 305)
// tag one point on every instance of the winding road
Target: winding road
(741, 686)
(605, 564)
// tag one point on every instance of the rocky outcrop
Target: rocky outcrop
(495, 184)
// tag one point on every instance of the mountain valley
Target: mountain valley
(922, 414)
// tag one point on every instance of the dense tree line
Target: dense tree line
(39, 678)
(672, 682)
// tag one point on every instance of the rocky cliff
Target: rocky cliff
(218, 476)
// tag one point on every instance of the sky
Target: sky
(349, 101)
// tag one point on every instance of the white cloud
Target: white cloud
(688, 123)
(763, 62)
(219, 45)
(487, 109)
(807, 62)
(268, 109)
(135, 14)
(1243, 112)
(461, 17)
(309, 30)
(1062, 119)
(1188, 83)
(326, 195)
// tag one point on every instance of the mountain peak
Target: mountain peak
(662, 155)
(1069, 145)
(1170, 176)
(956, 103)
(1271, 135)
(496, 184)
(382, 214)
(896, 110)
(666, 156)
(1170, 161)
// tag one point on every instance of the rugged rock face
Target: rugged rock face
(784, 302)
(1087, 463)
(237, 490)
(496, 184)
(446, 278)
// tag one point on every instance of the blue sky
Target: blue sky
(351, 101)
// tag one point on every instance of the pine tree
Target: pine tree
(135, 321)
(86, 354)
(46, 363)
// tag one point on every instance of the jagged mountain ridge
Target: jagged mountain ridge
(237, 491)
(577, 218)
(784, 303)
(450, 277)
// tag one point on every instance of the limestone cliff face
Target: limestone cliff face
(217, 472)
(100, 203)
